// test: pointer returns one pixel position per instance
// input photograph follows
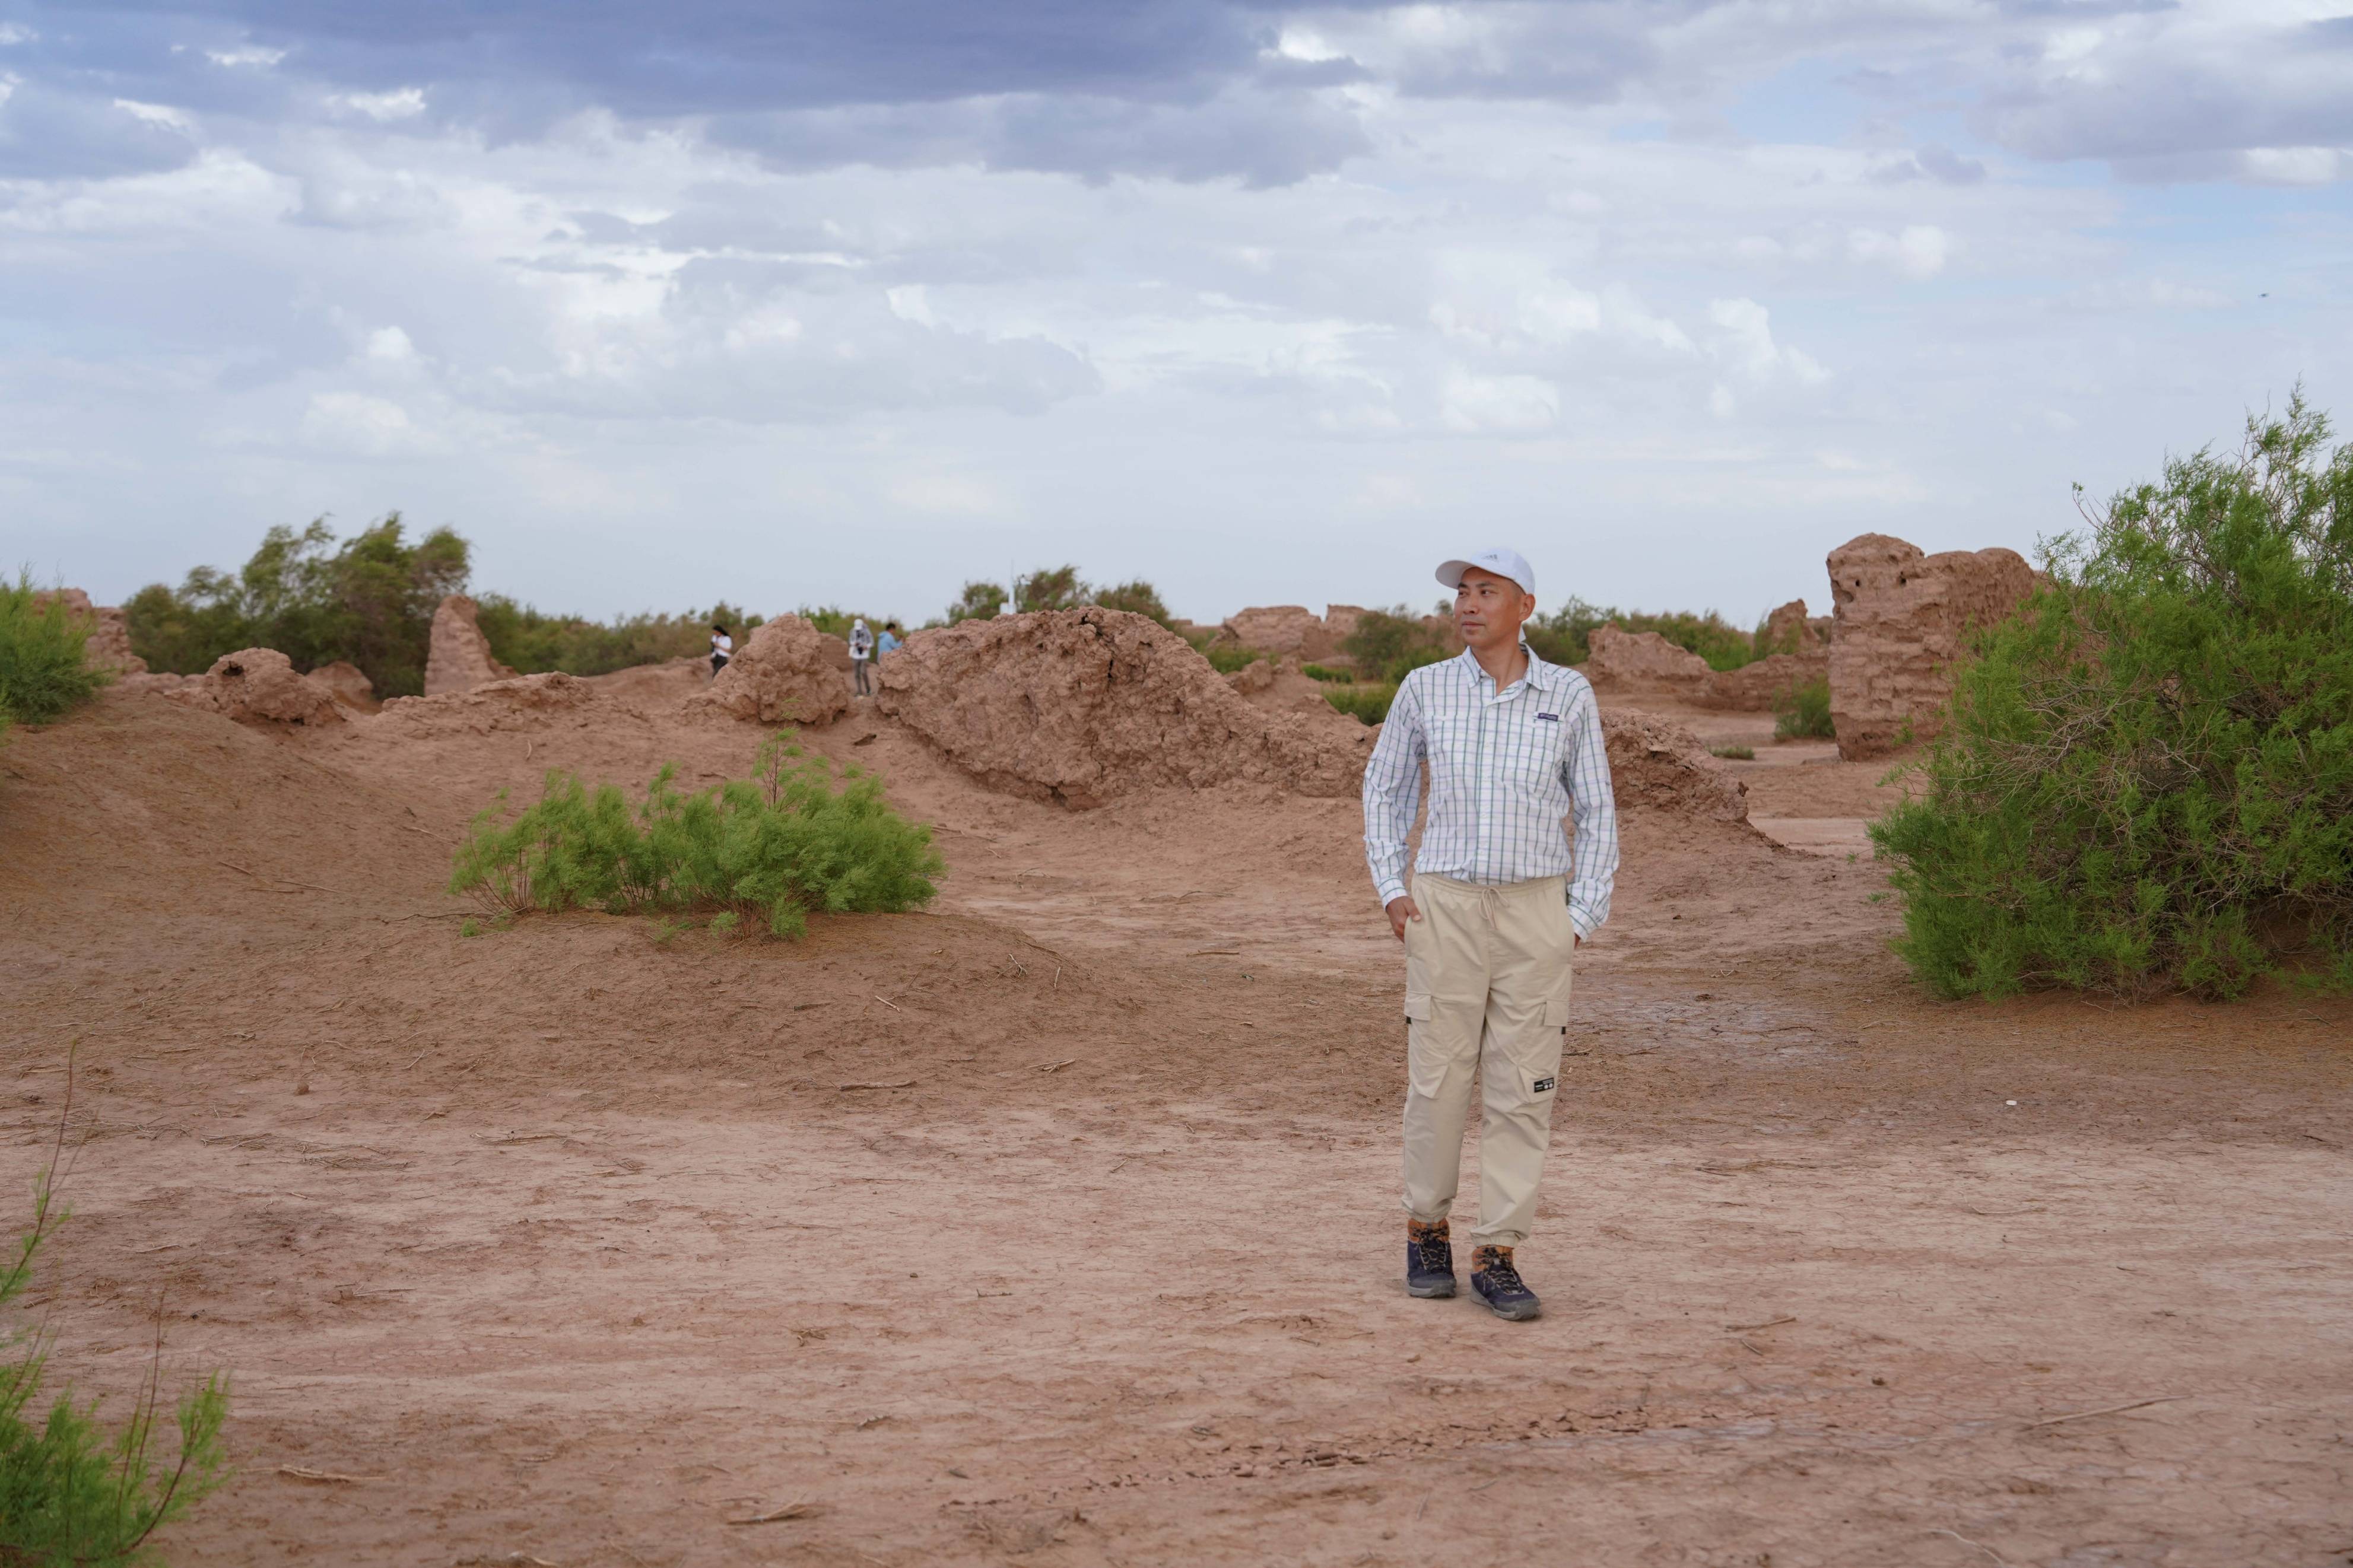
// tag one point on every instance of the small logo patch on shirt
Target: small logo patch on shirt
(1547, 718)
(1544, 1085)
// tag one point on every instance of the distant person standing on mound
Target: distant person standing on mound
(1499, 905)
(861, 650)
(723, 648)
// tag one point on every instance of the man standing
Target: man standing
(861, 649)
(1498, 907)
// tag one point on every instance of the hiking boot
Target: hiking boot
(1500, 1285)
(1429, 1259)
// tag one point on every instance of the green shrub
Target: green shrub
(530, 641)
(369, 600)
(1050, 588)
(1368, 704)
(2146, 781)
(1325, 672)
(1388, 645)
(978, 602)
(1137, 597)
(1803, 712)
(69, 1492)
(1734, 753)
(42, 671)
(777, 845)
(1565, 635)
(1227, 658)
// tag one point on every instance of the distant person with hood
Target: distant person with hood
(723, 648)
(1500, 903)
(861, 650)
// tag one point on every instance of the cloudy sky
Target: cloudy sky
(806, 302)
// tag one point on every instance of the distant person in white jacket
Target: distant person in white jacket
(862, 655)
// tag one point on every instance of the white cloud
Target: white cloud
(390, 346)
(15, 33)
(160, 114)
(2297, 165)
(245, 55)
(1918, 251)
(356, 424)
(1743, 342)
(404, 103)
(1498, 405)
(943, 495)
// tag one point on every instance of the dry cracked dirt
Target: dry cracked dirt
(1057, 1225)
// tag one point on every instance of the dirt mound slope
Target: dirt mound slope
(1900, 619)
(787, 673)
(347, 684)
(180, 815)
(258, 685)
(522, 701)
(1658, 765)
(458, 657)
(1084, 706)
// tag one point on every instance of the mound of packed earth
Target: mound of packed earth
(1292, 630)
(1642, 659)
(1658, 765)
(522, 701)
(787, 673)
(259, 686)
(1082, 705)
(458, 657)
(1900, 619)
(347, 684)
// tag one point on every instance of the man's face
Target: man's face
(1490, 610)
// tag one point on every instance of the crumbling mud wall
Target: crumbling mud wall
(788, 672)
(1637, 661)
(1900, 620)
(458, 657)
(108, 645)
(1084, 706)
(1292, 630)
(347, 684)
(1658, 765)
(258, 686)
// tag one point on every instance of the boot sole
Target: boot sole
(1515, 1313)
(1430, 1292)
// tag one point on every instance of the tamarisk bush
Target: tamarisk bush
(2146, 781)
(777, 846)
(70, 1493)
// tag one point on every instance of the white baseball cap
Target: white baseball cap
(1502, 562)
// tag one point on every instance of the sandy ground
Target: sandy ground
(1058, 1224)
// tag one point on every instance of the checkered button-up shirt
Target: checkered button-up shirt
(1506, 770)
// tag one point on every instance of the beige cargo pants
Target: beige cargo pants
(1486, 999)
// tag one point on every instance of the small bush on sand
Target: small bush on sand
(42, 673)
(1367, 704)
(1388, 645)
(1227, 658)
(1803, 712)
(70, 1493)
(1137, 597)
(1734, 753)
(1325, 672)
(777, 845)
(2145, 779)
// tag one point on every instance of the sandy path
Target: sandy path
(578, 1246)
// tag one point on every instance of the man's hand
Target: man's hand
(1401, 909)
